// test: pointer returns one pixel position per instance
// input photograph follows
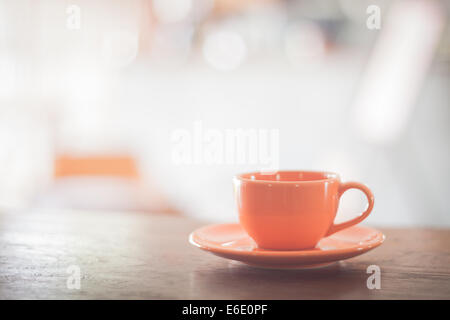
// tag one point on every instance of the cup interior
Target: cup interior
(288, 176)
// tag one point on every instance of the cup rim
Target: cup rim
(328, 174)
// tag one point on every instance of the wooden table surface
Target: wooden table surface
(147, 256)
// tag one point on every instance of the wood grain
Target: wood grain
(145, 256)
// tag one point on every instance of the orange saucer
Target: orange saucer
(232, 242)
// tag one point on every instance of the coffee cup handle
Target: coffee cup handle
(344, 187)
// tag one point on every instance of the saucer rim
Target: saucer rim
(369, 245)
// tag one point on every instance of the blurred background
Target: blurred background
(92, 92)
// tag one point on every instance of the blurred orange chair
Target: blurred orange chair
(110, 182)
(118, 166)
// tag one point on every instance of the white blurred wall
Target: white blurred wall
(135, 72)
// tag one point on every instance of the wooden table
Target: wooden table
(147, 256)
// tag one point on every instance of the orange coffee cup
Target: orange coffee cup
(293, 210)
